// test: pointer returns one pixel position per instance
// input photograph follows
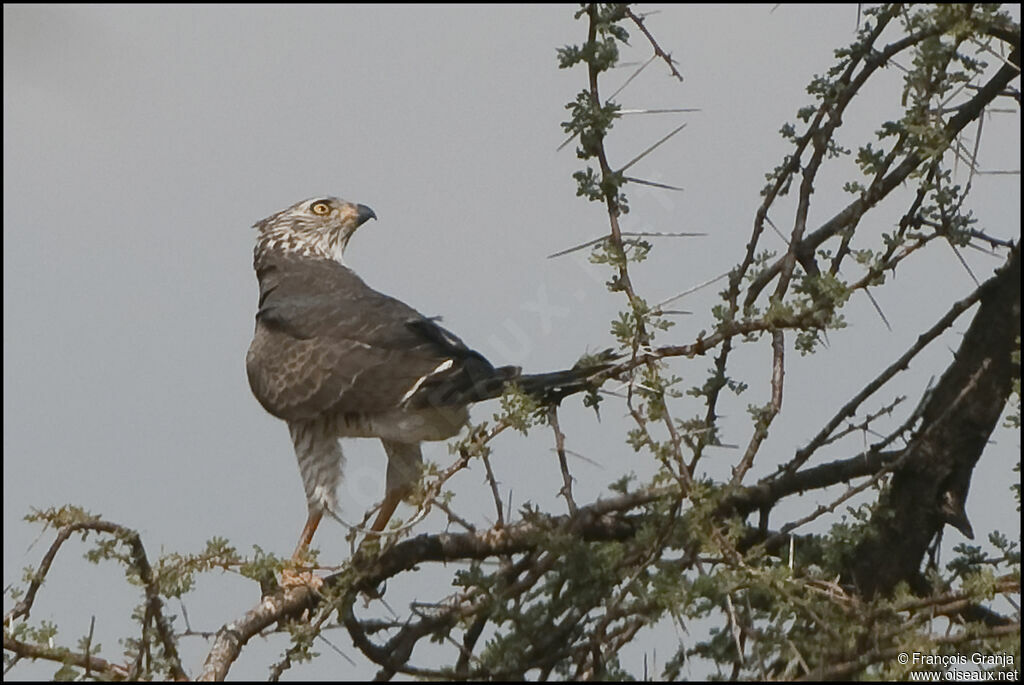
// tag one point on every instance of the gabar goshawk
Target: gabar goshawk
(336, 359)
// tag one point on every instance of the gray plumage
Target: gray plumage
(326, 343)
(335, 358)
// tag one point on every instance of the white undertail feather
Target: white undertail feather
(320, 462)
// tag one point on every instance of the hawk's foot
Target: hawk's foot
(293, 577)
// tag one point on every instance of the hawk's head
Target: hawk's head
(320, 227)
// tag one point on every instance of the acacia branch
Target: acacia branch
(639, 21)
(232, 637)
(902, 363)
(91, 664)
(956, 422)
(137, 560)
(850, 215)
(883, 656)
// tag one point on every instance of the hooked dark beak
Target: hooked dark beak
(364, 214)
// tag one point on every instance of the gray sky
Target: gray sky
(141, 143)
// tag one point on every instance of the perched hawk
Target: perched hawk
(337, 359)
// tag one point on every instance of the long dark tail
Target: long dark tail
(549, 387)
(553, 386)
(485, 383)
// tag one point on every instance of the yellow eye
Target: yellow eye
(320, 208)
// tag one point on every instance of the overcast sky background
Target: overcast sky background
(141, 143)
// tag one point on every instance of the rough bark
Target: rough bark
(930, 486)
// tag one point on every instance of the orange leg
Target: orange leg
(293, 577)
(307, 534)
(387, 508)
(404, 464)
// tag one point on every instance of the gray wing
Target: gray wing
(326, 343)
